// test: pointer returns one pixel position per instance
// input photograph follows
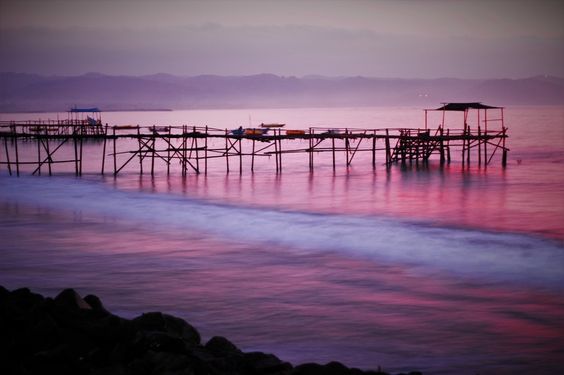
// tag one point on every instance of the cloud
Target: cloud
(285, 50)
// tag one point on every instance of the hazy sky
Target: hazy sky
(426, 39)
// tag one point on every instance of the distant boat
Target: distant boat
(269, 126)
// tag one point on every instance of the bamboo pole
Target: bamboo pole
(169, 145)
(81, 153)
(240, 156)
(253, 156)
(206, 152)
(347, 146)
(17, 153)
(153, 155)
(388, 153)
(195, 141)
(280, 153)
(140, 149)
(7, 156)
(464, 145)
(442, 146)
(479, 145)
(333, 150)
(115, 153)
(46, 145)
(38, 154)
(310, 150)
(448, 146)
(486, 161)
(504, 154)
(276, 154)
(468, 148)
(374, 151)
(104, 149)
(227, 152)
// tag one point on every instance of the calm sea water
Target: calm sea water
(439, 269)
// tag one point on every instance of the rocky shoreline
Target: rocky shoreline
(73, 335)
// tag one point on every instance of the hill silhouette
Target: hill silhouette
(29, 92)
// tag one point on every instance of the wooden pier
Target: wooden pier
(191, 148)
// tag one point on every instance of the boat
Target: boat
(238, 131)
(295, 132)
(270, 126)
(255, 131)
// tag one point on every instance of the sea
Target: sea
(438, 268)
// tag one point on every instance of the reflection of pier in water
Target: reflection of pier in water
(192, 146)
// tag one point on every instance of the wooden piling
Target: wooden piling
(240, 157)
(276, 154)
(479, 145)
(333, 151)
(81, 153)
(374, 151)
(104, 149)
(15, 134)
(388, 152)
(153, 157)
(39, 156)
(115, 152)
(7, 156)
(227, 151)
(253, 157)
(140, 150)
(468, 148)
(49, 159)
(280, 154)
(206, 153)
(441, 146)
(504, 152)
(169, 145)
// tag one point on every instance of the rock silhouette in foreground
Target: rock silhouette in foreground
(74, 335)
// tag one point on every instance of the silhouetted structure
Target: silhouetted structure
(193, 146)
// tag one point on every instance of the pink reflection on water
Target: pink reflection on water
(304, 306)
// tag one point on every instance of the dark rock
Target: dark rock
(69, 298)
(71, 335)
(263, 363)
(332, 368)
(309, 369)
(168, 362)
(156, 321)
(25, 299)
(4, 293)
(95, 303)
(163, 342)
(221, 347)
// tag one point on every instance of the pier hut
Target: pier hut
(478, 124)
(89, 118)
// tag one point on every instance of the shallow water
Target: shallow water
(437, 269)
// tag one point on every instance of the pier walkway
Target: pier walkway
(191, 147)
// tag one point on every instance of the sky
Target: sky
(401, 38)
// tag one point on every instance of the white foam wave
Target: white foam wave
(498, 256)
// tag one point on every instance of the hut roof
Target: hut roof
(464, 106)
(82, 110)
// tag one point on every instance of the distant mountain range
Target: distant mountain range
(29, 92)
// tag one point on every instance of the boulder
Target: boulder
(69, 298)
(156, 321)
(263, 363)
(219, 346)
(95, 303)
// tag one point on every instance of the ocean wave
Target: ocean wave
(472, 253)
